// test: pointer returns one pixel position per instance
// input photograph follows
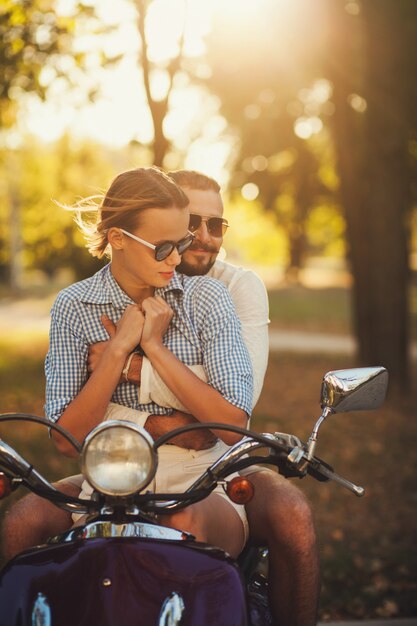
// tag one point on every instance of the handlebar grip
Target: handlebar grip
(331, 475)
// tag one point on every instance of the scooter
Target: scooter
(121, 567)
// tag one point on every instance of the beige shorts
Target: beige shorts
(178, 468)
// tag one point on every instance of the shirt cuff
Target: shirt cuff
(145, 382)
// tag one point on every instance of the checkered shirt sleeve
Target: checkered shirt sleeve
(224, 354)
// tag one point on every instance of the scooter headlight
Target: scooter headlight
(118, 458)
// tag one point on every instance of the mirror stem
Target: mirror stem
(313, 437)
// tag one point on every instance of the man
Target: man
(279, 516)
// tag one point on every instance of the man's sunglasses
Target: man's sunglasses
(164, 249)
(216, 226)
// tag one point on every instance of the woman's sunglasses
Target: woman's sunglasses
(216, 226)
(164, 249)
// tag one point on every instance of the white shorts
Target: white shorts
(178, 468)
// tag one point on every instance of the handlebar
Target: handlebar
(286, 451)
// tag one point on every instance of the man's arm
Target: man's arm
(251, 303)
(158, 425)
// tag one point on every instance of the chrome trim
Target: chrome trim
(41, 613)
(101, 529)
(9, 458)
(172, 610)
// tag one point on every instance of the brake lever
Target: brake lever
(313, 466)
(329, 474)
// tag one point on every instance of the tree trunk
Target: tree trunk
(387, 192)
(372, 154)
(158, 108)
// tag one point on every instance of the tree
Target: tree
(48, 173)
(157, 107)
(373, 66)
(273, 104)
(36, 51)
(366, 53)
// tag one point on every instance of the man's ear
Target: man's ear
(115, 238)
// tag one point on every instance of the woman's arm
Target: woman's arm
(201, 400)
(88, 407)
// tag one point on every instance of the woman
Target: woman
(176, 320)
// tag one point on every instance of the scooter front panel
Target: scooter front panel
(123, 581)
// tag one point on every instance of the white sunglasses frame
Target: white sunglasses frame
(151, 245)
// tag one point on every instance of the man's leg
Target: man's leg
(32, 520)
(280, 518)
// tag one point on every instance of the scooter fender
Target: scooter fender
(113, 581)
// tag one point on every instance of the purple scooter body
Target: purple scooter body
(121, 581)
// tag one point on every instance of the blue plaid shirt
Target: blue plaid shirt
(204, 330)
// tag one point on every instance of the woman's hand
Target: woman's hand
(129, 329)
(158, 315)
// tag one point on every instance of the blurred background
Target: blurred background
(306, 113)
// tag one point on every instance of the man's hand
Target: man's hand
(158, 425)
(95, 352)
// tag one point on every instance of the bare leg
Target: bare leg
(32, 520)
(280, 518)
(213, 521)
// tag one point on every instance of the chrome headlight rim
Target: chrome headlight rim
(111, 425)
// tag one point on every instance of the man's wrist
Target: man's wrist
(133, 368)
(151, 426)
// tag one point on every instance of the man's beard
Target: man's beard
(197, 269)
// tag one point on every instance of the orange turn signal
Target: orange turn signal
(5, 486)
(240, 490)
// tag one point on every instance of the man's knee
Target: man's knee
(32, 519)
(29, 507)
(280, 512)
(21, 526)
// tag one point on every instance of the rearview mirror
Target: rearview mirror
(356, 389)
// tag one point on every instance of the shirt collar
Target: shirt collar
(103, 289)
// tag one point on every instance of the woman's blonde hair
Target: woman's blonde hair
(129, 194)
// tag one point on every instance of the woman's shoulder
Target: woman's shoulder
(77, 291)
(208, 297)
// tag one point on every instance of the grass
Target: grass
(300, 308)
(368, 545)
(322, 309)
(22, 390)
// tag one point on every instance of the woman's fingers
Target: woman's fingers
(158, 315)
(157, 306)
(129, 327)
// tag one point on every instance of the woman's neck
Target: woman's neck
(136, 291)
